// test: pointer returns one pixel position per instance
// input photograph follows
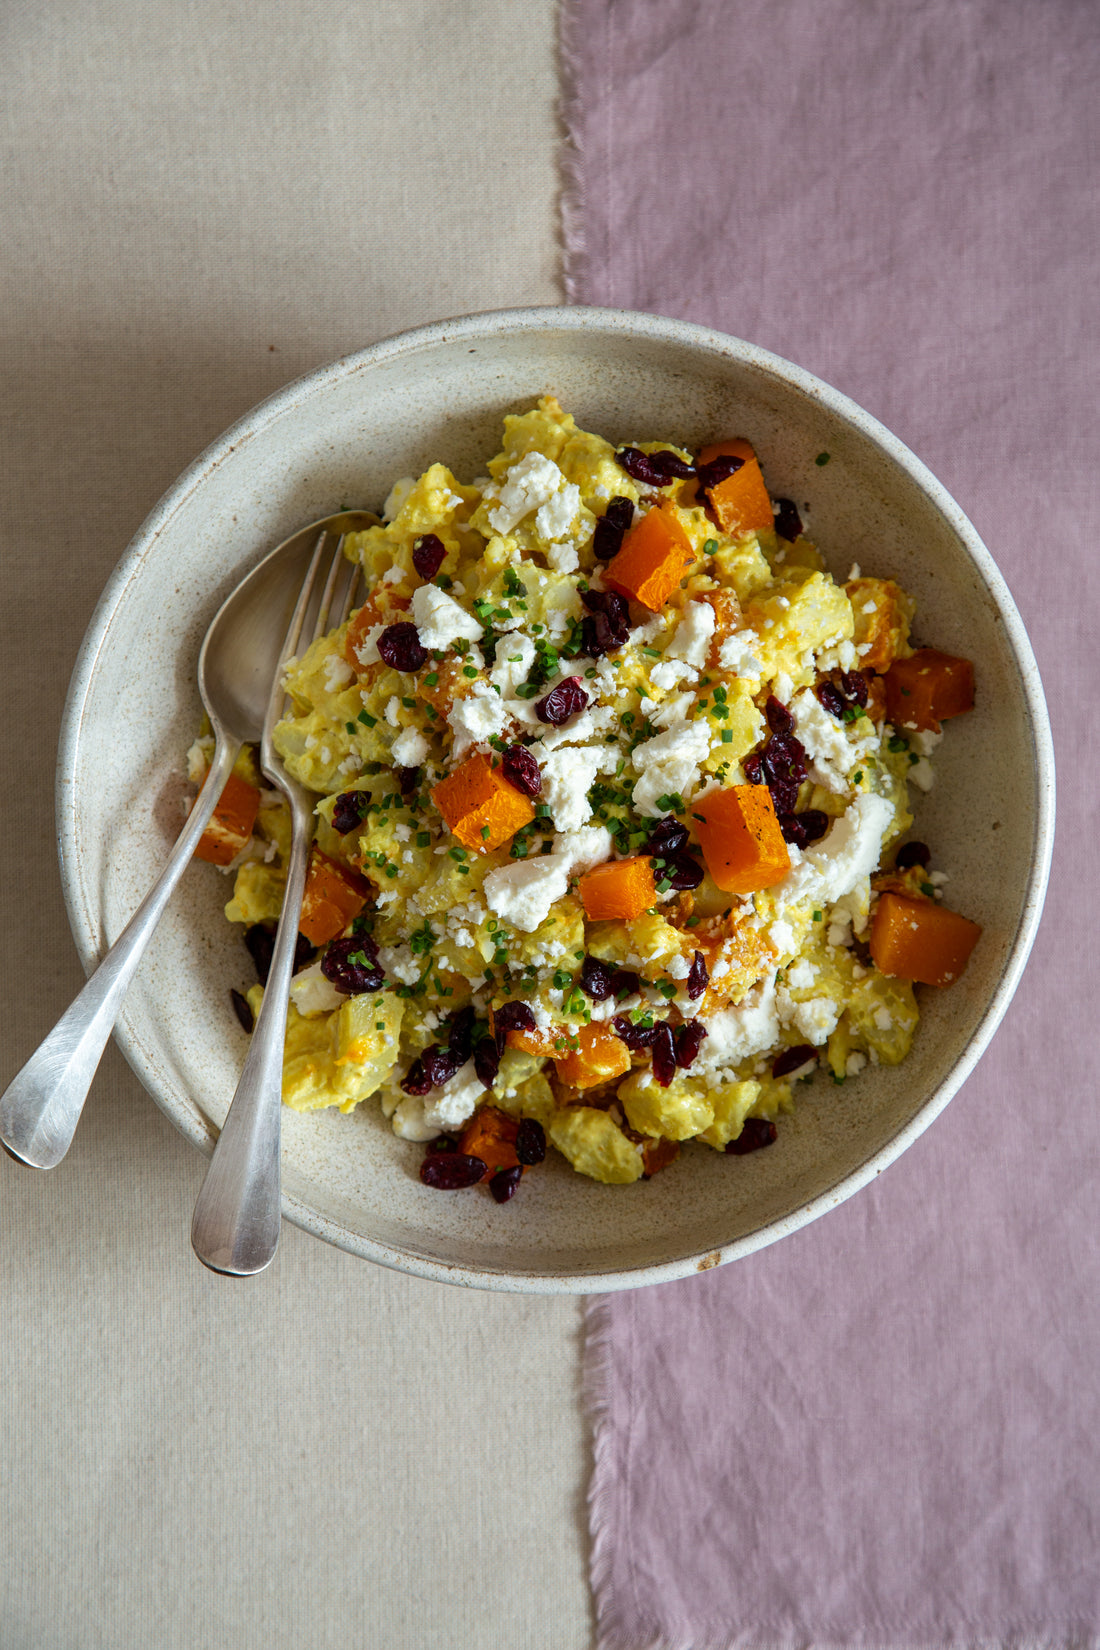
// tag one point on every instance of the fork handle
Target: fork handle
(235, 1228)
(41, 1106)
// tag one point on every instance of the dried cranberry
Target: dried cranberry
(530, 1142)
(912, 853)
(261, 948)
(440, 1064)
(242, 1010)
(784, 795)
(717, 471)
(689, 1040)
(788, 522)
(757, 1132)
(671, 465)
(416, 1079)
(785, 760)
(608, 537)
(451, 1171)
(624, 982)
(602, 634)
(350, 965)
(408, 779)
(854, 686)
(428, 556)
(804, 828)
(511, 1017)
(460, 1034)
(668, 836)
(562, 702)
(608, 602)
(682, 871)
(596, 979)
(349, 810)
(399, 647)
(504, 1182)
(831, 697)
(698, 978)
(754, 768)
(792, 1058)
(664, 1054)
(640, 467)
(779, 717)
(521, 770)
(635, 1037)
(486, 1062)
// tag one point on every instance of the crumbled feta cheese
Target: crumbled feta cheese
(814, 1020)
(338, 673)
(454, 1103)
(523, 893)
(514, 659)
(802, 975)
(567, 774)
(312, 994)
(399, 961)
(409, 1121)
(393, 575)
(393, 712)
(409, 749)
(691, 642)
(921, 774)
(883, 1019)
(735, 1034)
(736, 654)
(558, 514)
(925, 740)
(475, 718)
(781, 935)
(395, 499)
(848, 852)
(825, 739)
(669, 763)
(440, 620)
(528, 485)
(854, 1064)
(367, 650)
(670, 671)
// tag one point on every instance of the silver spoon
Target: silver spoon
(240, 654)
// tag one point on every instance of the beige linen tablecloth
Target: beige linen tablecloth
(201, 201)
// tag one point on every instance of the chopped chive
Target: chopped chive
(423, 839)
(822, 458)
(367, 719)
(727, 736)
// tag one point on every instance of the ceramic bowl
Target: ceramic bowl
(340, 437)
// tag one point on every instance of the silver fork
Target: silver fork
(237, 1216)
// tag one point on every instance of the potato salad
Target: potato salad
(612, 778)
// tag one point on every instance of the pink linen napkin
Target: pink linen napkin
(885, 1430)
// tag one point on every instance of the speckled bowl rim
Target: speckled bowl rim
(628, 323)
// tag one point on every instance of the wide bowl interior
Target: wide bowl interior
(339, 438)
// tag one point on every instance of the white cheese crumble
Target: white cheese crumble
(736, 654)
(669, 763)
(475, 718)
(735, 1034)
(338, 673)
(567, 774)
(440, 620)
(691, 642)
(409, 749)
(312, 994)
(528, 485)
(847, 852)
(523, 893)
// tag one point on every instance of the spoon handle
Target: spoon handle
(41, 1106)
(235, 1228)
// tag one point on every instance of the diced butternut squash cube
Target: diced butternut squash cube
(599, 1056)
(334, 896)
(481, 808)
(928, 688)
(919, 940)
(231, 822)
(881, 613)
(622, 888)
(491, 1135)
(740, 837)
(741, 503)
(654, 557)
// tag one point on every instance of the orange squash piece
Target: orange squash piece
(491, 1135)
(334, 896)
(621, 888)
(231, 822)
(481, 809)
(740, 837)
(741, 503)
(654, 557)
(599, 1056)
(919, 940)
(928, 688)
